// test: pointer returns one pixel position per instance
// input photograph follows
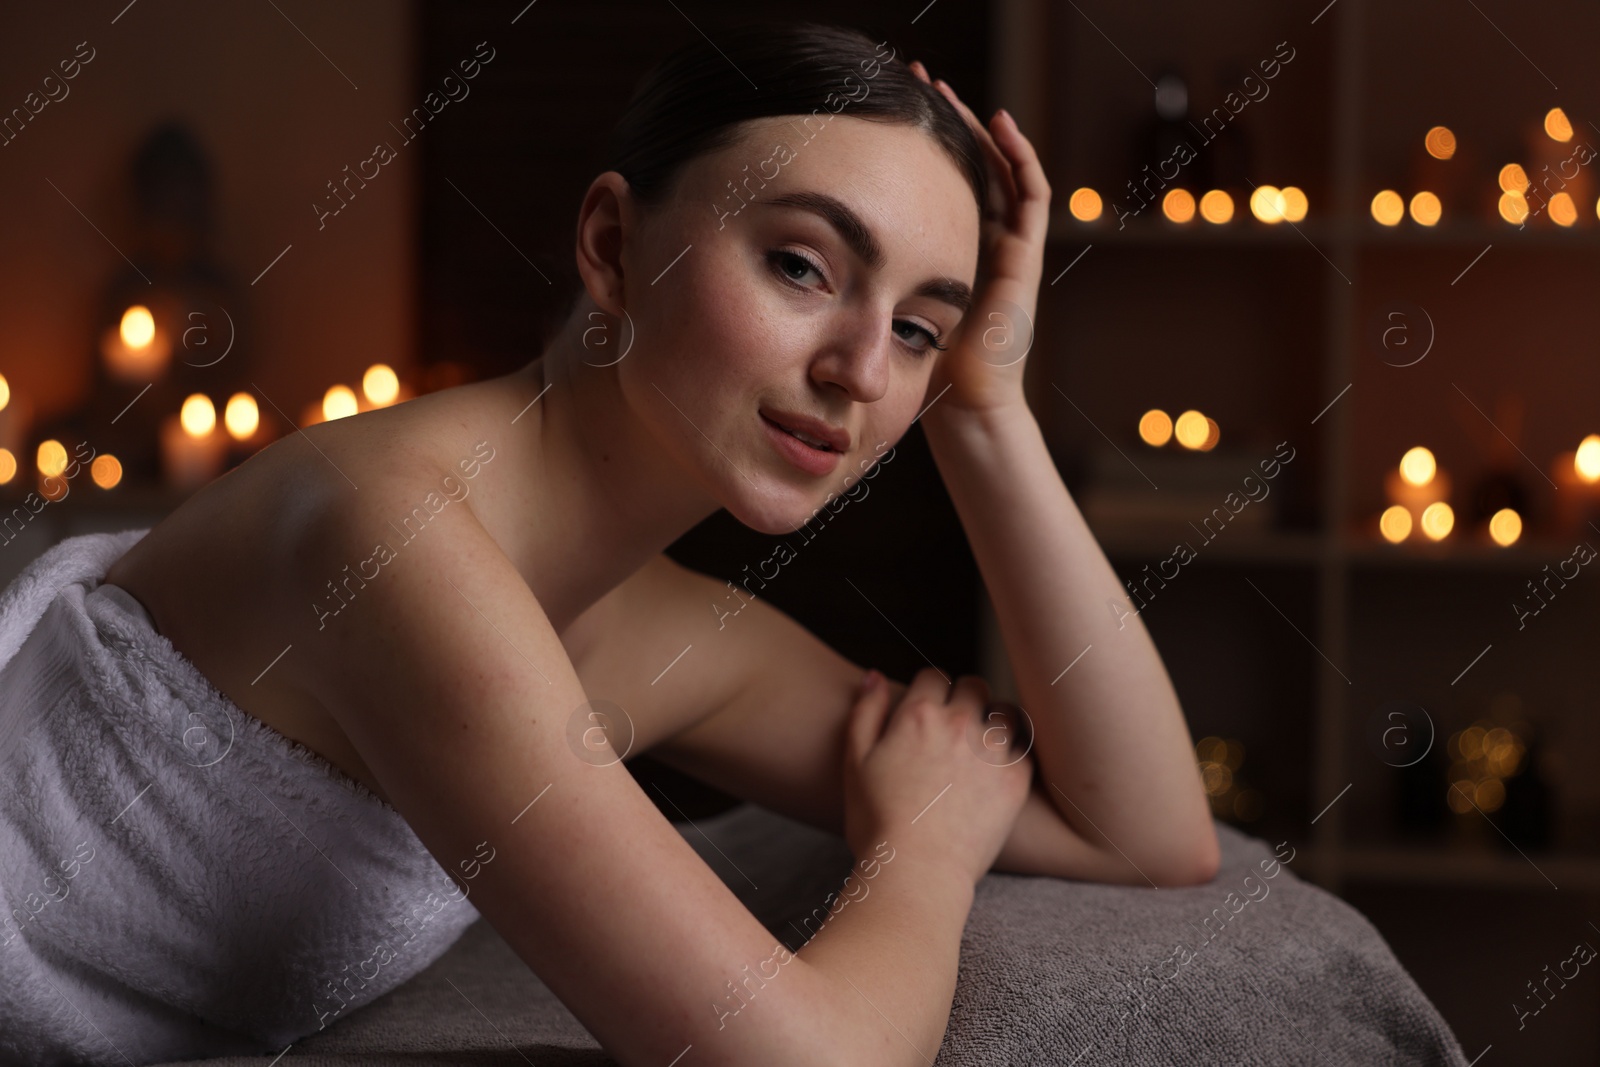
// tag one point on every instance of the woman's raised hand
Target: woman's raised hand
(982, 369)
(929, 779)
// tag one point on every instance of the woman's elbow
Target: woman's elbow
(1200, 863)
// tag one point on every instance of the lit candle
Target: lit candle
(134, 350)
(1416, 482)
(193, 448)
(1577, 478)
(381, 387)
(15, 419)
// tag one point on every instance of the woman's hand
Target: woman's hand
(939, 781)
(982, 369)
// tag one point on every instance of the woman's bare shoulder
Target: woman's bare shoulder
(280, 548)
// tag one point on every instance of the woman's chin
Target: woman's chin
(777, 517)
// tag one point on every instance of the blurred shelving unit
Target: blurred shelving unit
(1301, 638)
(1267, 326)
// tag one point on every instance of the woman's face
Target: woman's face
(790, 279)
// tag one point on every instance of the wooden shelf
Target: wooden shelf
(1249, 232)
(1523, 557)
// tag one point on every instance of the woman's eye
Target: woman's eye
(793, 267)
(932, 338)
(784, 261)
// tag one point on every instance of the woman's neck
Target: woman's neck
(593, 496)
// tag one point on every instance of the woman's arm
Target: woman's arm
(1113, 749)
(1112, 746)
(457, 693)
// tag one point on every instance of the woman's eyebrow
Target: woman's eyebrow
(854, 232)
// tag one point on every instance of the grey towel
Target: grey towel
(178, 878)
(1053, 973)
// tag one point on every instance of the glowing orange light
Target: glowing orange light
(1388, 208)
(106, 470)
(1084, 205)
(1425, 208)
(1178, 205)
(338, 402)
(1216, 207)
(1395, 524)
(1505, 527)
(1155, 427)
(198, 415)
(1557, 125)
(1438, 520)
(1418, 466)
(1192, 429)
(1440, 142)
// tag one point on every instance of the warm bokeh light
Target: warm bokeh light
(1483, 757)
(1084, 205)
(1155, 427)
(51, 457)
(1438, 520)
(198, 415)
(1513, 208)
(1295, 204)
(1440, 142)
(1513, 179)
(1587, 459)
(1388, 208)
(1395, 524)
(337, 402)
(5, 392)
(1192, 429)
(380, 384)
(241, 416)
(106, 470)
(1266, 203)
(1213, 435)
(1216, 207)
(8, 466)
(138, 326)
(1425, 208)
(1505, 527)
(1563, 212)
(1557, 125)
(1178, 205)
(1417, 466)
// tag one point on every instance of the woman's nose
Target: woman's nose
(860, 364)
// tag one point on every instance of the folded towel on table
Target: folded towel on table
(178, 879)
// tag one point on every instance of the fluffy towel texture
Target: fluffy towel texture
(179, 879)
(1053, 973)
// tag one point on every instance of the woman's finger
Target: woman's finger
(1033, 190)
(999, 165)
(867, 717)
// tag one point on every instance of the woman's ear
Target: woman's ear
(607, 227)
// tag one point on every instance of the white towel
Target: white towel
(178, 879)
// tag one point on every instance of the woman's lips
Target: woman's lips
(814, 461)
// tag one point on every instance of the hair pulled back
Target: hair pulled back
(694, 100)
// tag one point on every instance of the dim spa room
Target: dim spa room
(650, 532)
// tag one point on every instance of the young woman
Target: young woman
(776, 283)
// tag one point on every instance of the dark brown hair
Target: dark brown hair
(695, 99)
